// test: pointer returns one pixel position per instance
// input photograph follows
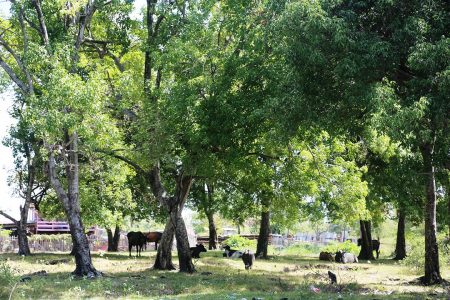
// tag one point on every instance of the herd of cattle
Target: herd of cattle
(140, 240)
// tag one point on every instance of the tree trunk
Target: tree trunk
(113, 240)
(83, 262)
(366, 252)
(184, 250)
(24, 248)
(212, 232)
(432, 272)
(71, 204)
(400, 246)
(164, 254)
(22, 237)
(264, 231)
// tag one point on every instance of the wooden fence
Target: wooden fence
(56, 243)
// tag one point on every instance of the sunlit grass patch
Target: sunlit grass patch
(289, 276)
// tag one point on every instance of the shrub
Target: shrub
(238, 242)
(346, 246)
(7, 279)
(301, 249)
(415, 250)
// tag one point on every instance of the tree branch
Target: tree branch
(13, 76)
(8, 217)
(41, 18)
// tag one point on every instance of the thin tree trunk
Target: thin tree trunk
(212, 231)
(400, 246)
(113, 239)
(432, 272)
(263, 237)
(24, 248)
(71, 204)
(366, 252)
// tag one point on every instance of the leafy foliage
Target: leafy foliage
(346, 246)
(239, 242)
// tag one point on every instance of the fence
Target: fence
(57, 243)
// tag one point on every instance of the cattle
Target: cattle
(344, 257)
(231, 253)
(195, 251)
(153, 236)
(327, 256)
(138, 239)
(375, 246)
(248, 258)
(332, 277)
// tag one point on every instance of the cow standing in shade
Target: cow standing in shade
(375, 246)
(153, 236)
(138, 239)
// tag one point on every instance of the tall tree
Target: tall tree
(385, 70)
(60, 95)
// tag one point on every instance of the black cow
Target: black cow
(137, 239)
(248, 258)
(195, 251)
(375, 246)
(344, 257)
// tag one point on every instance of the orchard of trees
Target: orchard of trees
(273, 108)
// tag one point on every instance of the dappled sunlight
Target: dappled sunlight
(216, 278)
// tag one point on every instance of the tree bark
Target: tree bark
(400, 246)
(432, 272)
(212, 231)
(113, 239)
(164, 254)
(366, 252)
(71, 204)
(264, 232)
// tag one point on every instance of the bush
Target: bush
(7, 279)
(346, 246)
(238, 242)
(50, 237)
(301, 249)
(415, 250)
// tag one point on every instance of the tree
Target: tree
(30, 182)
(385, 70)
(61, 97)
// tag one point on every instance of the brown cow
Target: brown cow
(153, 236)
(326, 256)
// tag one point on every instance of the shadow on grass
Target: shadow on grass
(236, 284)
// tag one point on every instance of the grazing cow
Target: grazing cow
(137, 239)
(248, 258)
(153, 236)
(327, 256)
(344, 257)
(231, 253)
(195, 251)
(375, 246)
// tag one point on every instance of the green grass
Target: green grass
(289, 276)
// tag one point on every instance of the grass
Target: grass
(283, 276)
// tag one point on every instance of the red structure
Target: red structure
(36, 225)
